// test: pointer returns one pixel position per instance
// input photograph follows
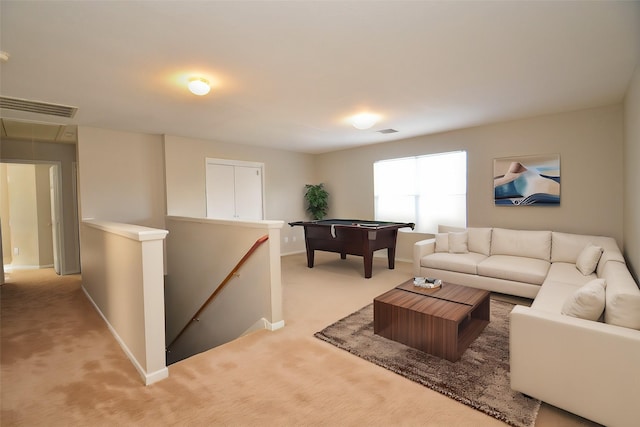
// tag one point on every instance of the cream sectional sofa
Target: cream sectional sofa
(577, 346)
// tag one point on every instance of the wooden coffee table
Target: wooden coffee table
(441, 321)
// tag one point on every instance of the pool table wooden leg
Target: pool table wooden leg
(368, 264)
(391, 255)
(310, 254)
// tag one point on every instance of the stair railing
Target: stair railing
(219, 289)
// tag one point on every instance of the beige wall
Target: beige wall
(121, 176)
(65, 154)
(632, 175)
(119, 168)
(285, 174)
(590, 144)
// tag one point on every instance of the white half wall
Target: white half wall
(122, 274)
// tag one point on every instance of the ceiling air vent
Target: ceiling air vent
(37, 107)
(387, 131)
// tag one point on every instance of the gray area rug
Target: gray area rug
(480, 379)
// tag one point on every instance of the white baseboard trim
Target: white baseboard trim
(274, 326)
(147, 378)
(156, 376)
(264, 324)
(21, 267)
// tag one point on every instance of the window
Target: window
(426, 190)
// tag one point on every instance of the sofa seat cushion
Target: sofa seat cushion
(568, 273)
(552, 296)
(461, 263)
(516, 268)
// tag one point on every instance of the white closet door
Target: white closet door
(234, 189)
(220, 191)
(248, 192)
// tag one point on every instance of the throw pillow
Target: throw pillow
(479, 240)
(588, 259)
(458, 243)
(442, 242)
(587, 302)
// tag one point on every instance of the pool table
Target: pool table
(353, 237)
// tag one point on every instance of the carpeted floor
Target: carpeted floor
(61, 367)
(479, 379)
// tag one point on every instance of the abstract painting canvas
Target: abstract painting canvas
(527, 180)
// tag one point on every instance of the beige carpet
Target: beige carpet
(60, 365)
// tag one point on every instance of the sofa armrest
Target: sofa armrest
(420, 249)
(588, 368)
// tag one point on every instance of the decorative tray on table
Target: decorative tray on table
(427, 282)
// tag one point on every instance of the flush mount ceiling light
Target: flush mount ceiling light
(199, 86)
(364, 121)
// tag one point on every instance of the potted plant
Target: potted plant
(317, 200)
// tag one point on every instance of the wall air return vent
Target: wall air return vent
(37, 107)
(387, 131)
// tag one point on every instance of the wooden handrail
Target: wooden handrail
(246, 256)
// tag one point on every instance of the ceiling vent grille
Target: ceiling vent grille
(387, 131)
(37, 107)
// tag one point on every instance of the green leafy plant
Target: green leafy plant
(317, 199)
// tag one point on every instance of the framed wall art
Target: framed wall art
(527, 180)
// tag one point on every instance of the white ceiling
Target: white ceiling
(288, 73)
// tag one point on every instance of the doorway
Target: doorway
(30, 213)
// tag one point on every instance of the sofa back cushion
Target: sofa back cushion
(622, 306)
(525, 243)
(566, 247)
(479, 240)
